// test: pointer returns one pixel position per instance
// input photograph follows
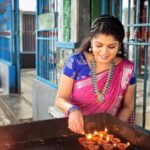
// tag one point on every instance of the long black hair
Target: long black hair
(109, 25)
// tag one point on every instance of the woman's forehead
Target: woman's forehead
(104, 38)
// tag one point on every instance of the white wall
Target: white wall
(27, 5)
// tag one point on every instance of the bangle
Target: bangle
(73, 108)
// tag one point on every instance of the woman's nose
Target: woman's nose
(104, 51)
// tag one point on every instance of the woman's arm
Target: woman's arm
(128, 104)
(64, 92)
(75, 120)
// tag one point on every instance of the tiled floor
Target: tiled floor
(27, 78)
(19, 105)
(3, 119)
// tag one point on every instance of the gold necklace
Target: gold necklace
(100, 94)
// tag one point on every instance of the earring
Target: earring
(119, 52)
(90, 49)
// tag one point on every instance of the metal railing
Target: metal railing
(47, 37)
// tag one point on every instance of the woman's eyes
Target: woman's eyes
(98, 45)
(111, 47)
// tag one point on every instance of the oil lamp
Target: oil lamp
(93, 147)
(108, 146)
(89, 138)
(106, 130)
(110, 136)
(115, 140)
(122, 146)
(82, 140)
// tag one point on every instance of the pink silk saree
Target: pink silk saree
(84, 96)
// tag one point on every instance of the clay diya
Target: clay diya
(122, 146)
(115, 140)
(86, 142)
(93, 147)
(101, 141)
(108, 146)
(110, 136)
(83, 141)
(95, 138)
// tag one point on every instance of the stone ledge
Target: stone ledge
(16, 108)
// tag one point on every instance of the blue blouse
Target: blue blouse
(76, 67)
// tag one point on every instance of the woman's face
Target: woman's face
(104, 47)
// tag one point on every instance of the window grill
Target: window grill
(47, 37)
(6, 47)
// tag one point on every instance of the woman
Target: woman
(98, 78)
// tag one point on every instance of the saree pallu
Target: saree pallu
(83, 94)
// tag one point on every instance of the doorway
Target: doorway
(27, 47)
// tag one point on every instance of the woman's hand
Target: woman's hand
(128, 104)
(75, 122)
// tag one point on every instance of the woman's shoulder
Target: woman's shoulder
(75, 60)
(121, 61)
(128, 62)
(76, 54)
(78, 57)
(74, 65)
(127, 65)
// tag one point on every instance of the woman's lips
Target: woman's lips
(104, 57)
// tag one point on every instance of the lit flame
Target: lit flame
(128, 143)
(89, 136)
(107, 138)
(95, 132)
(114, 144)
(101, 135)
(106, 130)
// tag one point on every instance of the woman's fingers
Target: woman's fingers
(74, 126)
(75, 122)
(82, 126)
